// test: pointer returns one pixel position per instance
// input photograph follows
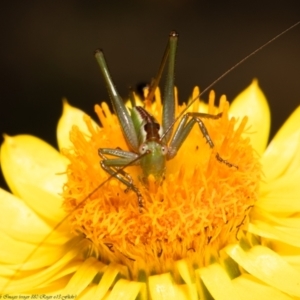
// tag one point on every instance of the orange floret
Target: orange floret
(200, 206)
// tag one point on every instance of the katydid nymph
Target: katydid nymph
(150, 144)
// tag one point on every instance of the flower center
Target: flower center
(200, 206)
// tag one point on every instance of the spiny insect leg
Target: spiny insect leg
(196, 116)
(226, 162)
(113, 167)
(183, 130)
(185, 127)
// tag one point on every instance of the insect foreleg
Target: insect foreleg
(184, 128)
(126, 158)
(112, 165)
(123, 154)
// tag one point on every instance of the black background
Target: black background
(47, 52)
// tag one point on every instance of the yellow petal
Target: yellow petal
(288, 252)
(84, 276)
(281, 195)
(183, 270)
(163, 287)
(34, 172)
(189, 288)
(49, 292)
(248, 285)
(27, 255)
(17, 219)
(70, 116)
(290, 236)
(43, 276)
(267, 266)
(253, 103)
(14, 252)
(106, 281)
(290, 221)
(218, 282)
(87, 294)
(110, 273)
(282, 156)
(125, 289)
(16, 244)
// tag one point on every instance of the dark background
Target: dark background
(47, 52)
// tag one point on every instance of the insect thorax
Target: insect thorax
(146, 126)
(154, 163)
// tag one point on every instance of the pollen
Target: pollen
(202, 204)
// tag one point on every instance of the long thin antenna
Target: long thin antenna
(227, 72)
(66, 217)
(139, 157)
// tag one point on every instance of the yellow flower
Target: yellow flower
(209, 230)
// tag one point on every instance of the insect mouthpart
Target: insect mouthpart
(154, 163)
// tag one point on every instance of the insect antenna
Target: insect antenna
(226, 73)
(66, 217)
(153, 86)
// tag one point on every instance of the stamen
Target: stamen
(199, 207)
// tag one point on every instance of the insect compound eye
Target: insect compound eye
(143, 149)
(164, 150)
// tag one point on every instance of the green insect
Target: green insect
(151, 144)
